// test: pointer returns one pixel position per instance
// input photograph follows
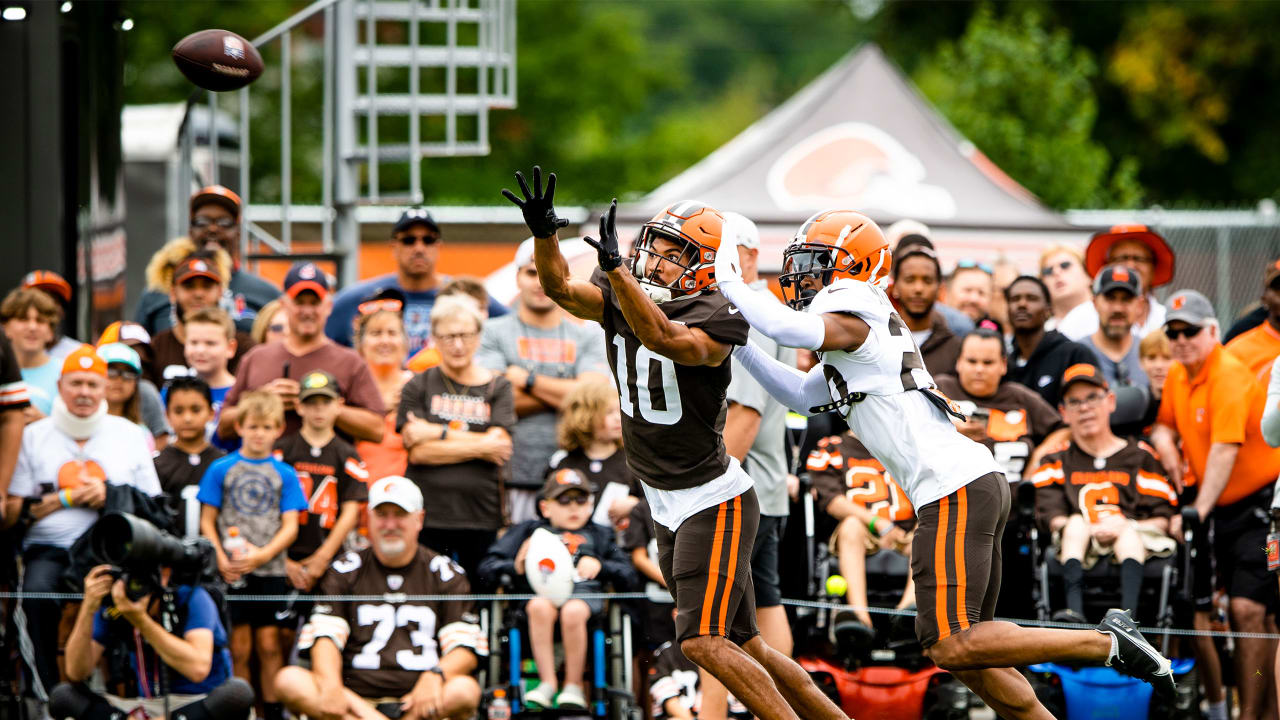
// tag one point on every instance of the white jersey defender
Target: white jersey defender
(908, 432)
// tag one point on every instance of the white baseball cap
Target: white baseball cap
(742, 229)
(397, 490)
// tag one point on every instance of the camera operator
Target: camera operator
(198, 683)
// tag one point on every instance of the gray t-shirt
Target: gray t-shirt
(151, 407)
(565, 351)
(766, 460)
(1119, 374)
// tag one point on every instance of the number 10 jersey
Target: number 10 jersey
(672, 414)
(906, 431)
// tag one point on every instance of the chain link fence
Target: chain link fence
(1221, 253)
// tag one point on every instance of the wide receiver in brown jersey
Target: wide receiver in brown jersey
(669, 335)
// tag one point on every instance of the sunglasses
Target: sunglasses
(1048, 270)
(370, 307)
(121, 373)
(574, 499)
(1187, 332)
(276, 327)
(224, 223)
(972, 264)
(411, 240)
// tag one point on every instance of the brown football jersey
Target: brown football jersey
(1130, 482)
(842, 466)
(387, 644)
(672, 414)
(1017, 419)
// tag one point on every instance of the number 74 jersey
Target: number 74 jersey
(672, 415)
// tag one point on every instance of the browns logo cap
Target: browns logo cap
(1112, 277)
(217, 195)
(397, 490)
(1190, 307)
(1083, 372)
(562, 481)
(194, 267)
(84, 359)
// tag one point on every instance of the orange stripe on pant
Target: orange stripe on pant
(708, 599)
(940, 570)
(733, 561)
(962, 520)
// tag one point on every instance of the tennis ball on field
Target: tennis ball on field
(836, 585)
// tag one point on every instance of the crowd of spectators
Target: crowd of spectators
(318, 438)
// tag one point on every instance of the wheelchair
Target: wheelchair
(1166, 595)
(609, 662)
(888, 678)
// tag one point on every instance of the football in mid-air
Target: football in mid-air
(217, 60)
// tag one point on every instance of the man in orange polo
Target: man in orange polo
(1213, 404)
(1259, 347)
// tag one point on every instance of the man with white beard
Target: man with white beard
(422, 667)
(59, 488)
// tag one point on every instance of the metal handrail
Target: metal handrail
(293, 22)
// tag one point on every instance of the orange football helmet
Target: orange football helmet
(834, 245)
(694, 226)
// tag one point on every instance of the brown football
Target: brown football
(217, 60)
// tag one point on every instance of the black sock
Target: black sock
(1130, 584)
(1073, 582)
(272, 711)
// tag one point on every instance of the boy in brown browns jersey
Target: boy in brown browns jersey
(668, 336)
(405, 658)
(1102, 496)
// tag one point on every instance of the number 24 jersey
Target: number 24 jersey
(911, 436)
(387, 644)
(672, 414)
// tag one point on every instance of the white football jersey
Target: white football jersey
(910, 435)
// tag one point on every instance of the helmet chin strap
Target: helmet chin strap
(882, 282)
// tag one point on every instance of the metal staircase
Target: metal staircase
(403, 80)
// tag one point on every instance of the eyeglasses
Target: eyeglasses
(370, 307)
(1188, 332)
(1080, 403)
(974, 264)
(1133, 259)
(411, 240)
(574, 499)
(455, 337)
(276, 327)
(1048, 270)
(201, 221)
(121, 373)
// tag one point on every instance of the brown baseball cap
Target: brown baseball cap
(318, 382)
(194, 267)
(219, 195)
(1083, 372)
(562, 481)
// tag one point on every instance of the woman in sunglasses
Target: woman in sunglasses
(272, 323)
(1062, 269)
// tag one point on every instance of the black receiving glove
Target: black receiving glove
(538, 208)
(607, 247)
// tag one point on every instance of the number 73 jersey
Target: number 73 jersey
(672, 414)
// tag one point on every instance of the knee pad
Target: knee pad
(79, 703)
(229, 701)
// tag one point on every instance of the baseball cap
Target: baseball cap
(216, 194)
(1083, 372)
(124, 331)
(50, 282)
(318, 382)
(1272, 272)
(114, 353)
(1190, 307)
(562, 481)
(1117, 276)
(415, 216)
(194, 267)
(305, 276)
(397, 490)
(84, 359)
(743, 230)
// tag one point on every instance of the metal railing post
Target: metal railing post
(346, 230)
(371, 43)
(326, 124)
(286, 139)
(244, 169)
(214, 144)
(415, 157)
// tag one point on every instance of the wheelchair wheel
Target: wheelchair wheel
(621, 707)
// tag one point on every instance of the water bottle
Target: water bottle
(236, 547)
(499, 708)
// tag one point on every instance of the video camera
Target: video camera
(137, 550)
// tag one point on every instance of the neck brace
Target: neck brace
(77, 427)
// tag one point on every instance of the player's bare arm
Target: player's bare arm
(578, 297)
(682, 344)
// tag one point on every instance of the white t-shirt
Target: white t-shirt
(50, 460)
(913, 438)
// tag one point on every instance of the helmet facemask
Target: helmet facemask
(693, 257)
(806, 260)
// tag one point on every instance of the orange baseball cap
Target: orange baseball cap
(217, 194)
(50, 282)
(1083, 372)
(84, 359)
(124, 331)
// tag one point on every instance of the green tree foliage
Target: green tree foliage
(1022, 93)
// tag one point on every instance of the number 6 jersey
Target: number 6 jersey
(672, 414)
(386, 644)
(908, 432)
